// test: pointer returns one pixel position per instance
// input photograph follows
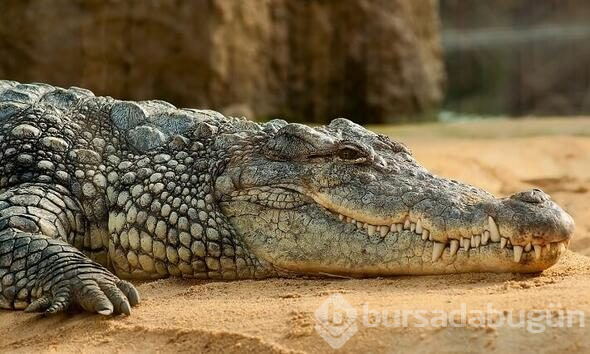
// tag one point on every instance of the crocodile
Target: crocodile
(96, 191)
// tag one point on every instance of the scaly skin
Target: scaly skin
(91, 187)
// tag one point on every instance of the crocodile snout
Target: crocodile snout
(531, 216)
(533, 196)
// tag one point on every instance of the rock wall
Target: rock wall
(308, 60)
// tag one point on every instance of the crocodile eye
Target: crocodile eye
(351, 154)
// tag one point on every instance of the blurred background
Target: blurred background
(524, 57)
(374, 61)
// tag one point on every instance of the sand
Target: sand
(278, 315)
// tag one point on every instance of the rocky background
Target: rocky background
(306, 60)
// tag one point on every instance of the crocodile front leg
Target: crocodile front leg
(39, 270)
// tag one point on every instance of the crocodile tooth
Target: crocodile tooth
(485, 237)
(528, 247)
(370, 229)
(407, 224)
(537, 251)
(561, 247)
(359, 224)
(341, 217)
(425, 234)
(392, 228)
(437, 250)
(477, 240)
(419, 227)
(413, 227)
(472, 242)
(494, 232)
(548, 246)
(399, 227)
(517, 253)
(503, 242)
(383, 230)
(352, 221)
(466, 244)
(454, 247)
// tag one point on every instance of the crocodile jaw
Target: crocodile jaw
(310, 234)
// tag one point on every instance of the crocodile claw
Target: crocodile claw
(98, 293)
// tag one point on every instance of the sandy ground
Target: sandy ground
(278, 315)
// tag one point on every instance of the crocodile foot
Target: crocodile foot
(95, 290)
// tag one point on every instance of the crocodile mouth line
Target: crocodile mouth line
(488, 238)
(288, 197)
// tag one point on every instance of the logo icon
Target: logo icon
(336, 321)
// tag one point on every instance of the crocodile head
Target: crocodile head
(342, 200)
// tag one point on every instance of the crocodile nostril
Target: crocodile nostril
(533, 196)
